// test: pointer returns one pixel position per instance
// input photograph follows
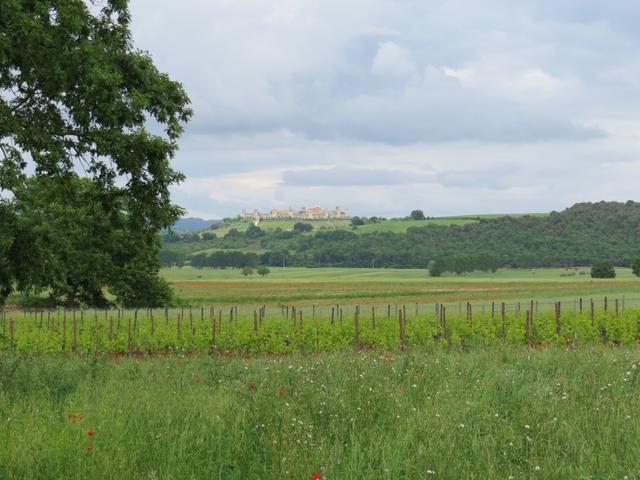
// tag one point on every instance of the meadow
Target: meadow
(326, 286)
(395, 225)
(507, 413)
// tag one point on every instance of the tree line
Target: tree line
(582, 235)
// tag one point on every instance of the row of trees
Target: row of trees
(222, 259)
(463, 264)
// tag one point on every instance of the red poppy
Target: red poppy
(403, 389)
(90, 433)
(315, 476)
(89, 448)
(251, 385)
(281, 391)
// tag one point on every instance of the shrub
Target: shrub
(603, 270)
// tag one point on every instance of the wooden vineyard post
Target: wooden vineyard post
(356, 324)
(404, 317)
(580, 305)
(255, 322)
(129, 334)
(389, 312)
(373, 317)
(401, 330)
(593, 316)
(531, 309)
(617, 312)
(558, 310)
(135, 318)
(201, 315)
(493, 310)
(300, 314)
(527, 328)
(333, 320)
(606, 304)
(64, 330)
(417, 310)
(213, 333)
(178, 327)
(340, 317)
(190, 320)
(504, 323)
(74, 346)
(166, 316)
(219, 321)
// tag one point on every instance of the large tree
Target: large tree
(77, 98)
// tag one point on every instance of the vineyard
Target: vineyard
(286, 329)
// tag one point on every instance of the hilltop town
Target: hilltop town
(314, 213)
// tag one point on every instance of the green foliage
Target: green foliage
(319, 330)
(263, 271)
(72, 244)
(603, 270)
(246, 271)
(355, 221)
(579, 236)
(417, 215)
(78, 96)
(302, 227)
(636, 267)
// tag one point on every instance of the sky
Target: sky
(385, 106)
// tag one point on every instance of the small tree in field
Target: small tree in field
(636, 267)
(263, 271)
(246, 271)
(603, 270)
(417, 215)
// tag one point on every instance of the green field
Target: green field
(506, 413)
(392, 225)
(308, 286)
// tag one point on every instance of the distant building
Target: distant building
(314, 213)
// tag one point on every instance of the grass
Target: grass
(361, 285)
(392, 225)
(507, 413)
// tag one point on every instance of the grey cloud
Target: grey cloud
(349, 176)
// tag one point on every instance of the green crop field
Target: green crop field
(361, 285)
(490, 414)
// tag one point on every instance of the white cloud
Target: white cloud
(494, 106)
(392, 60)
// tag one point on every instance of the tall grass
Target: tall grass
(517, 412)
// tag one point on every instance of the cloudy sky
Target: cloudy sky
(383, 106)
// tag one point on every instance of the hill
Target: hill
(578, 236)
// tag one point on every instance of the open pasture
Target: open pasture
(325, 286)
(489, 414)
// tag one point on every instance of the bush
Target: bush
(263, 271)
(636, 267)
(246, 271)
(603, 270)
(302, 227)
